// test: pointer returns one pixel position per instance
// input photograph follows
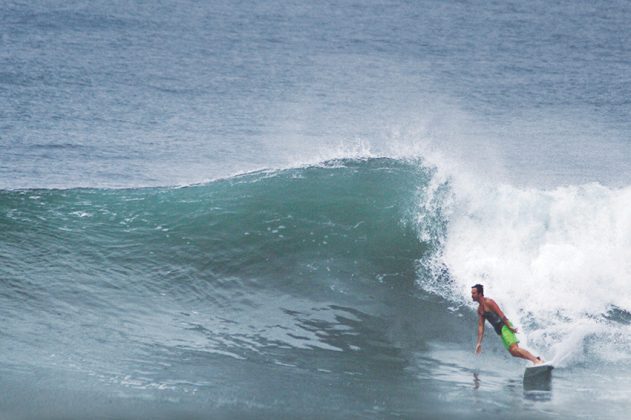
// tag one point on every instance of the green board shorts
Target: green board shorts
(508, 337)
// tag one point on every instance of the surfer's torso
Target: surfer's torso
(493, 318)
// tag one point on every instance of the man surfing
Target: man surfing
(489, 310)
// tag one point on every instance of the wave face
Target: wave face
(165, 288)
(355, 269)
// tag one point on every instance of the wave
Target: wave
(335, 257)
(244, 224)
(235, 267)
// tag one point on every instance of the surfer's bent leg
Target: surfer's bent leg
(517, 351)
(512, 345)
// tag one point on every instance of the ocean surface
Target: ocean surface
(237, 209)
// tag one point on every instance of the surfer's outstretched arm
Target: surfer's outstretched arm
(478, 346)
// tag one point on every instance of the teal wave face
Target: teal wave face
(344, 232)
(287, 267)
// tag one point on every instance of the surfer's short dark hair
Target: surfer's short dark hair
(479, 288)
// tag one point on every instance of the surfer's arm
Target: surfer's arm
(498, 311)
(478, 345)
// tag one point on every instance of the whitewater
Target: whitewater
(277, 210)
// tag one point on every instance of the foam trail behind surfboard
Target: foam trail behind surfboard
(566, 350)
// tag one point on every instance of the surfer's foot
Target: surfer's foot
(538, 361)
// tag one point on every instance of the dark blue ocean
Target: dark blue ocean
(235, 209)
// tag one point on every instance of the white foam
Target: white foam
(556, 260)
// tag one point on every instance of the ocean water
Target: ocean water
(235, 209)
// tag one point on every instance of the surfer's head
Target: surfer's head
(477, 291)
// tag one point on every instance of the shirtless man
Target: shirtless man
(489, 310)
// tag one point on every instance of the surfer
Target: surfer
(489, 310)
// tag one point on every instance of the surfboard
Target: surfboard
(538, 377)
(543, 369)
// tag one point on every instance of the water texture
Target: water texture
(277, 209)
